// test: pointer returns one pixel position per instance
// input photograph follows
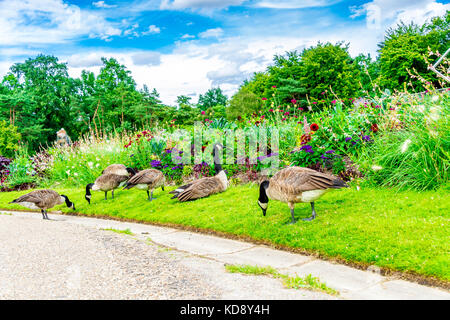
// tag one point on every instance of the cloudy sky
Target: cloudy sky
(188, 46)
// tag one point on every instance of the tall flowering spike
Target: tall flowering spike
(306, 128)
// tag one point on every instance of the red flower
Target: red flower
(274, 87)
(374, 127)
(294, 101)
(270, 110)
(314, 127)
(264, 98)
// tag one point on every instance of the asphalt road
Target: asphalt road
(58, 259)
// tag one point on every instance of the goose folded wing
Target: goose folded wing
(297, 180)
(200, 189)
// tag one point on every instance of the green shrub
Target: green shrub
(9, 139)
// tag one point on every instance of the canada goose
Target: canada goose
(43, 199)
(119, 169)
(148, 179)
(297, 184)
(205, 186)
(105, 182)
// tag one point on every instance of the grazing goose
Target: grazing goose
(205, 186)
(148, 179)
(106, 182)
(43, 199)
(297, 184)
(119, 169)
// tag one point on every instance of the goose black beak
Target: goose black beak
(264, 212)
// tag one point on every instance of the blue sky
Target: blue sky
(188, 46)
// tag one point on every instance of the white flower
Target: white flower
(376, 167)
(405, 145)
(435, 98)
(68, 172)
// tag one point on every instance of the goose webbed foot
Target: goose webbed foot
(106, 196)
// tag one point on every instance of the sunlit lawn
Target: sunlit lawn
(405, 231)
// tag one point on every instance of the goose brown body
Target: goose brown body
(148, 179)
(43, 200)
(202, 187)
(297, 184)
(116, 168)
(206, 186)
(105, 182)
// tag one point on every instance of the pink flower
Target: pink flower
(301, 109)
(294, 101)
(270, 110)
(286, 113)
(264, 98)
(274, 87)
(283, 119)
(323, 92)
(203, 112)
(334, 101)
(314, 102)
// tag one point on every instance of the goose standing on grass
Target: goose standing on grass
(106, 182)
(43, 200)
(148, 179)
(297, 184)
(205, 186)
(119, 169)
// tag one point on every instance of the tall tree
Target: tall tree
(211, 98)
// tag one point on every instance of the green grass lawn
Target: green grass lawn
(403, 231)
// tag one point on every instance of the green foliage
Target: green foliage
(417, 156)
(20, 169)
(211, 98)
(405, 48)
(328, 66)
(244, 102)
(9, 139)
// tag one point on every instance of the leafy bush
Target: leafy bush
(413, 153)
(9, 139)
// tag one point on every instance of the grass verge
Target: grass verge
(308, 282)
(403, 231)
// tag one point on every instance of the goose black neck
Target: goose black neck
(68, 202)
(262, 192)
(88, 189)
(217, 167)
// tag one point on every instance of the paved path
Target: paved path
(71, 257)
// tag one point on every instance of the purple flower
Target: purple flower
(155, 163)
(329, 151)
(323, 157)
(366, 138)
(174, 168)
(348, 139)
(307, 148)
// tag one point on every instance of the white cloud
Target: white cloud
(187, 36)
(152, 29)
(294, 4)
(149, 58)
(102, 4)
(381, 14)
(211, 33)
(198, 4)
(49, 22)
